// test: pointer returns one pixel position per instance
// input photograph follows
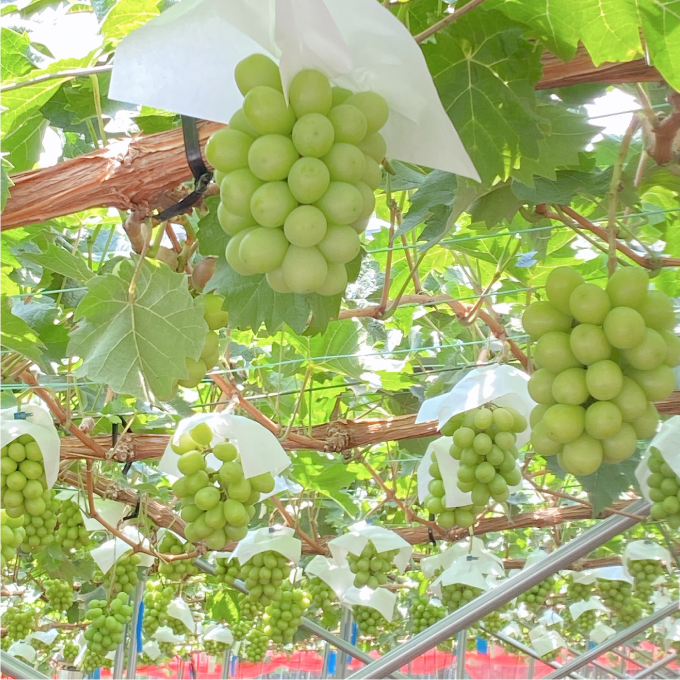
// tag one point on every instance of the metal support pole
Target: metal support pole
(131, 671)
(308, 625)
(225, 663)
(13, 667)
(119, 658)
(345, 634)
(324, 661)
(655, 666)
(599, 665)
(490, 600)
(630, 659)
(614, 641)
(461, 648)
(531, 669)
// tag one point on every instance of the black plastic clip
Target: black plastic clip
(202, 176)
(430, 532)
(135, 513)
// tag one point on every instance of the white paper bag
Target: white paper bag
(501, 384)
(545, 641)
(338, 577)
(601, 632)
(550, 618)
(465, 571)
(219, 633)
(47, 637)
(151, 649)
(165, 634)
(586, 577)
(280, 539)
(358, 44)
(383, 540)
(667, 441)
(614, 573)
(22, 649)
(380, 599)
(107, 554)
(260, 450)
(36, 421)
(576, 609)
(644, 550)
(179, 609)
(474, 547)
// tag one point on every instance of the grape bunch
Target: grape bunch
(264, 574)
(23, 485)
(297, 182)
(664, 490)
(596, 381)
(535, 597)
(59, 593)
(578, 591)
(92, 660)
(322, 596)
(216, 318)
(19, 621)
(455, 595)
(585, 622)
(156, 600)
(12, 535)
(108, 620)
(370, 622)
(249, 608)
(215, 648)
(40, 528)
(72, 534)
(424, 614)
(217, 505)
(168, 650)
(123, 576)
(241, 628)
(226, 571)
(615, 594)
(645, 572)
(629, 613)
(177, 626)
(484, 443)
(371, 567)
(69, 652)
(495, 620)
(177, 569)
(283, 617)
(255, 647)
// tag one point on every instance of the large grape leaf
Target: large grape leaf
(15, 49)
(127, 15)
(661, 26)
(212, 240)
(138, 344)
(23, 144)
(17, 335)
(341, 340)
(437, 190)
(485, 72)
(60, 260)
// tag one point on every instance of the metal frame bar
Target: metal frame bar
(490, 600)
(599, 665)
(655, 666)
(13, 667)
(131, 670)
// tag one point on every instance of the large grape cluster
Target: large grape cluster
(156, 600)
(215, 648)
(484, 443)
(255, 647)
(322, 596)
(615, 594)
(370, 622)
(59, 593)
(578, 591)
(72, 534)
(596, 382)
(424, 613)
(297, 182)
(536, 597)
(12, 535)
(371, 567)
(40, 528)
(644, 573)
(105, 632)
(23, 485)
(264, 574)
(664, 490)
(92, 660)
(455, 595)
(123, 576)
(177, 569)
(19, 621)
(283, 618)
(217, 505)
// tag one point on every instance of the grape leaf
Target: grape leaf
(436, 189)
(564, 187)
(60, 260)
(5, 182)
(17, 335)
(340, 339)
(23, 144)
(41, 314)
(485, 72)
(15, 48)
(494, 207)
(212, 239)
(138, 346)
(127, 15)
(661, 26)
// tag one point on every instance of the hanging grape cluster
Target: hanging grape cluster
(644, 573)
(256, 644)
(156, 600)
(297, 182)
(578, 591)
(59, 594)
(123, 576)
(69, 652)
(455, 595)
(177, 569)
(92, 660)
(19, 621)
(241, 628)
(322, 596)
(23, 485)
(664, 490)
(215, 648)
(370, 622)
(264, 574)
(596, 382)
(226, 571)
(424, 613)
(40, 528)
(72, 534)
(629, 613)
(283, 617)
(108, 620)
(217, 505)
(496, 620)
(536, 596)
(371, 567)
(614, 594)
(12, 535)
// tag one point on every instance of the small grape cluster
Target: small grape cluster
(19, 621)
(495, 620)
(177, 626)
(217, 505)
(167, 649)
(72, 534)
(283, 618)
(456, 595)
(584, 622)
(250, 608)
(23, 484)
(12, 535)
(424, 614)
(297, 180)
(59, 593)
(629, 613)
(644, 573)
(578, 591)
(664, 490)
(69, 652)
(40, 528)
(105, 632)
(215, 648)
(241, 628)
(615, 594)
(370, 622)
(322, 596)
(536, 597)
(484, 443)
(176, 570)
(264, 574)
(603, 357)
(371, 567)
(226, 571)
(256, 644)
(123, 576)
(156, 600)
(92, 660)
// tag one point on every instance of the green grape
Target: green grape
(368, 198)
(227, 150)
(456, 595)
(232, 224)
(374, 145)
(603, 419)
(581, 456)
(215, 648)
(283, 617)
(628, 614)
(310, 92)
(70, 652)
(225, 571)
(372, 176)
(645, 573)
(321, 595)
(262, 250)
(256, 644)
(589, 343)
(423, 614)
(176, 570)
(658, 311)
(649, 354)
(157, 597)
(370, 622)
(271, 203)
(540, 387)
(313, 135)
(271, 157)
(263, 575)
(40, 528)
(308, 179)
(553, 352)
(233, 252)
(305, 226)
(627, 286)
(560, 284)
(349, 124)
(266, 110)
(624, 327)
(23, 486)
(240, 629)
(59, 594)
(341, 204)
(657, 384)
(631, 400)
(589, 304)
(620, 446)
(108, 620)
(236, 190)
(19, 621)
(371, 567)
(536, 596)
(239, 122)
(541, 318)
(304, 269)
(340, 244)
(569, 386)
(13, 535)
(122, 578)
(614, 593)
(336, 280)
(213, 313)
(256, 70)
(645, 426)
(564, 422)
(91, 661)
(664, 490)
(373, 106)
(345, 163)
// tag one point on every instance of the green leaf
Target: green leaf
(17, 335)
(138, 346)
(661, 26)
(436, 189)
(498, 205)
(42, 315)
(127, 15)
(609, 482)
(212, 239)
(14, 61)
(5, 182)
(485, 72)
(341, 339)
(567, 184)
(59, 260)
(23, 102)
(24, 143)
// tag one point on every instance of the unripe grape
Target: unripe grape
(336, 280)
(237, 189)
(589, 304)
(657, 384)
(658, 311)
(604, 379)
(313, 135)
(227, 150)
(589, 343)
(271, 157)
(304, 269)
(627, 286)
(374, 145)
(569, 386)
(373, 106)
(306, 226)
(340, 244)
(581, 456)
(271, 203)
(262, 250)
(349, 123)
(256, 70)
(266, 110)
(308, 180)
(603, 419)
(560, 284)
(620, 446)
(310, 92)
(553, 352)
